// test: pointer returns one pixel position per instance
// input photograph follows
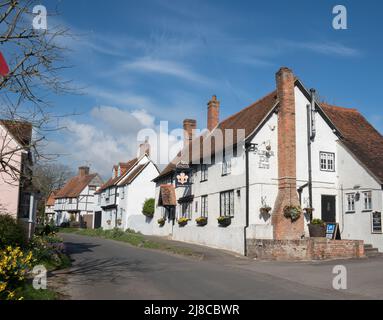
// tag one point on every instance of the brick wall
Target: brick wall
(307, 249)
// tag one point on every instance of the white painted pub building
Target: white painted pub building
(120, 200)
(293, 151)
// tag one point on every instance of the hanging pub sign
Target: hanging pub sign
(183, 175)
(376, 222)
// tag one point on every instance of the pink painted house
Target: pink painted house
(17, 195)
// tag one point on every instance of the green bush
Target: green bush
(317, 221)
(11, 232)
(148, 208)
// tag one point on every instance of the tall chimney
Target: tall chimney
(190, 125)
(83, 171)
(212, 113)
(144, 148)
(284, 228)
(115, 171)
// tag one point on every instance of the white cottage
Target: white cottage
(75, 201)
(120, 200)
(286, 149)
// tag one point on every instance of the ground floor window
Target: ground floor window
(185, 210)
(227, 203)
(204, 206)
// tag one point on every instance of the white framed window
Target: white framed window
(204, 172)
(367, 201)
(227, 203)
(196, 207)
(92, 188)
(327, 161)
(99, 199)
(204, 206)
(226, 167)
(186, 210)
(350, 202)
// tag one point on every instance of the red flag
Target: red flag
(4, 70)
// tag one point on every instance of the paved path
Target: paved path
(106, 269)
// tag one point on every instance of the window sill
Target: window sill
(225, 174)
(204, 180)
(367, 210)
(349, 212)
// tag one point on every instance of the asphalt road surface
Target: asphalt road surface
(106, 269)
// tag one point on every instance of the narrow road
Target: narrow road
(106, 269)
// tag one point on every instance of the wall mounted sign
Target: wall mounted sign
(376, 222)
(332, 231)
(264, 158)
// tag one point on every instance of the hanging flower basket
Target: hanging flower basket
(182, 221)
(161, 222)
(265, 210)
(108, 222)
(292, 212)
(201, 221)
(224, 221)
(119, 222)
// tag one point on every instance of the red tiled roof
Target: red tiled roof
(359, 137)
(126, 166)
(132, 175)
(167, 195)
(74, 186)
(20, 130)
(51, 198)
(247, 119)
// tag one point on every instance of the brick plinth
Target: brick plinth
(307, 249)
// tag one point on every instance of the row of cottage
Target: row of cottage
(286, 150)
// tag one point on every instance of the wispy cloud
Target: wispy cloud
(327, 48)
(166, 67)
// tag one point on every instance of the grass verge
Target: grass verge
(135, 239)
(29, 293)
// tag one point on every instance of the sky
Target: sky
(136, 63)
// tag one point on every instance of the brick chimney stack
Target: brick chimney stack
(190, 125)
(212, 113)
(144, 148)
(83, 171)
(284, 228)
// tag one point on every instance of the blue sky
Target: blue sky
(140, 62)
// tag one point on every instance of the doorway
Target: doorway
(328, 208)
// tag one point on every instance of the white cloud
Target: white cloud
(110, 136)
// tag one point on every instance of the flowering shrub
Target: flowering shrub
(14, 266)
(161, 221)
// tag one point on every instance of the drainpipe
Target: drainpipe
(310, 138)
(249, 147)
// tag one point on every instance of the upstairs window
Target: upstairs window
(186, 210)
(327, 161)
(351, 202)
(204, 172)
(367, 203)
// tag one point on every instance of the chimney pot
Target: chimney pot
(83, 171)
